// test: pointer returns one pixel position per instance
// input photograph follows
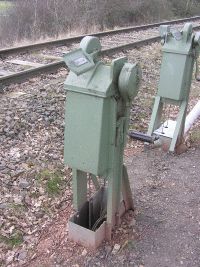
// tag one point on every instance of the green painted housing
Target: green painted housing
(175, 76)
(177, 63)
(89, 119)
(98, 102)
(179, 53)
(88, 124)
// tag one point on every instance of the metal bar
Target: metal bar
(95, 182)
(20, 76)
(156, 115)
(79, 185)
(11, 50)
(126, 190)
(131, 45)
(143, 137)
(179, 130)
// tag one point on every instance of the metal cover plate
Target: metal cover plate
(78, 62)
(166, 131)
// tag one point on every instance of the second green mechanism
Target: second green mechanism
(180, 51)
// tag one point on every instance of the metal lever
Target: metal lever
(143, 137)
(197, 71)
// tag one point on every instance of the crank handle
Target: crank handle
(143, 137)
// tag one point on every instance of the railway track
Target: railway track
(122, 37)
(8, 51)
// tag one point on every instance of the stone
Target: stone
(11, 167)
(116, 248)
(132, 222)
(23, 184)
(22, 255)
(17, 199)
(39, 214)
(3, 205)
(84, 252)
(10, 256)
(108, 250)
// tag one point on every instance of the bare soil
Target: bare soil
(162, 232)
(167, 202)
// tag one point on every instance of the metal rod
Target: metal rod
(8, 51)
(143, 137)
(23, 75)
(90, 213)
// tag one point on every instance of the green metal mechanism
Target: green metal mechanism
(180, 51)
(99, 98)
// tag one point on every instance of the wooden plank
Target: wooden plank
(5, 72)
(25, 63)
(49, 57)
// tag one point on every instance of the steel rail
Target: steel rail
(11, 50)
(20, 76)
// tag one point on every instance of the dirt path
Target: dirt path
(164, 230)
(167, 197)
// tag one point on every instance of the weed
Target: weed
(195, 136)
(35, 194)
(47, 210)
(53, 185)
(43, 175)
(17, 206)
(128, 244)
(12, 241)
(53, 181)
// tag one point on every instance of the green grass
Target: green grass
(53, 185)
(12, 241)
(44, 175)
(53, 181)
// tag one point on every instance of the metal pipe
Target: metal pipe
(143, 137)
(192, 117)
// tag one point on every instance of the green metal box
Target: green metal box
(88, 120)
(177, 62)
(173, 83)
(87, 127)
(98, 103)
